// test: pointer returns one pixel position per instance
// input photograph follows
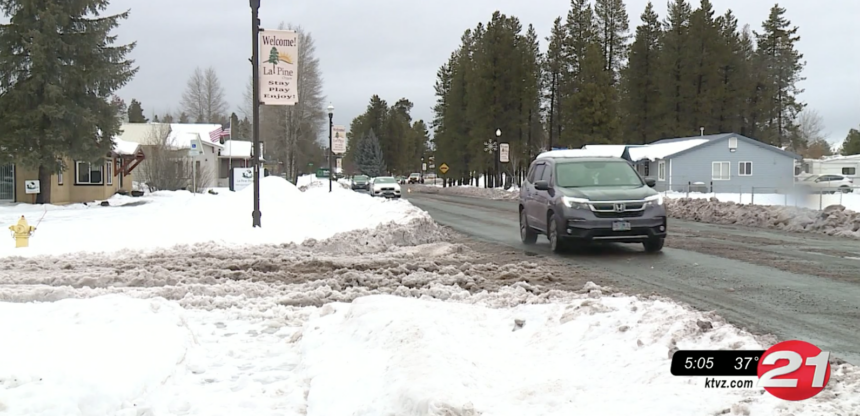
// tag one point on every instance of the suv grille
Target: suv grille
(625, 214)
(630, 209)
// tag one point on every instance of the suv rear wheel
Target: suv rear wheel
(527, 233)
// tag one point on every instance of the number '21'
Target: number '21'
(794, 363)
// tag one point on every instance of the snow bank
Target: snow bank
(850, 201)
(317, 329)
(165, 219)
(834, 220)
(88, 357)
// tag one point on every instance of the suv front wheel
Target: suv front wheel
(654, 244)
(556, 244)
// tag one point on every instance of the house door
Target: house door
(7, 183)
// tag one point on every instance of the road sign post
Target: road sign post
(443, 168)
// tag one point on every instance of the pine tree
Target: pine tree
(675, 80)
(732, 75)
(554, 69)
(60, 67)
(702, 61)
(783, 65)
(642, 98)
(135, 112)
(851, 145)
(183, 118)
(612, 25)
(369, 157)
(581, 33)
(155, 119)
(167, 118)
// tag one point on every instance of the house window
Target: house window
(661, 171)
(109, 172)
(720, 171)
(88, 173)
(849, 171)
(744, 168)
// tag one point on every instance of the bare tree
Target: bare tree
(293, 133)
(809, 138)
(165, 167)
(203, 99)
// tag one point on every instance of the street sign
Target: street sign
(196, 148)
(339, 164)
(423, 167)
(32, 187)
(443, 168)
(504, 153)
(338, 141)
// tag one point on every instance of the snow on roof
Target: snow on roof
(654, 152)
(237, 149)
(575, 153)
(122, 147)
(181, 134)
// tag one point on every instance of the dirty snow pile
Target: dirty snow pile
(834, 220)
(314, 329)
(816, 201)
(167, 218)
(486, 193)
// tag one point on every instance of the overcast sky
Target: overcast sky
(393, 48)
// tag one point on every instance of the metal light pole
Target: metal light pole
(255, 64)
(330, 153)
(498, 156)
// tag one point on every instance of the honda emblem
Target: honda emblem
(620, 208)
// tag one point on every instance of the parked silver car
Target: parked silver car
(828, 184)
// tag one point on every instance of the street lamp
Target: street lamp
(498, 156)
(330, 128)
(255, 113)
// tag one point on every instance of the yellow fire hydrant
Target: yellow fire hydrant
(22, 232)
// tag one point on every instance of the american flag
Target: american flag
(217, 134)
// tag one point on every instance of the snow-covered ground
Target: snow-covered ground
(164, 219)
(383, 318)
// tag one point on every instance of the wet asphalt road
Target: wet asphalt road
(794, 286)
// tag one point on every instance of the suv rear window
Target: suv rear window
(588, 174)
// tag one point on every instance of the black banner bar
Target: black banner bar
(717, 363)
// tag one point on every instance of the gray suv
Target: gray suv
(588, 199)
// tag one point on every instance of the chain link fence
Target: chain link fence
(795, 196)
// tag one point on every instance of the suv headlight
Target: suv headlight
(654, 200)
(575, 203)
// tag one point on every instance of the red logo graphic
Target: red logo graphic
(794, 370)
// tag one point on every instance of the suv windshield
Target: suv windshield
(384, 180)
(360, 178)
(589, 174)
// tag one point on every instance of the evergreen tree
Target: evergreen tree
(60, 67)
(167, 118)
(121, 107)
(851, 144)
(554, 70)
(642, 93)
(155, 119)
(702, 63)
(183, 118)
(783, 65)
(613, 26)
(135, 112)
(675, 80)
(581, 31)
(369, 156)
(732, 76)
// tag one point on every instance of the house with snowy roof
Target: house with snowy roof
(720, 163)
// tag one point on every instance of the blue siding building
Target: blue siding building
(720, 163)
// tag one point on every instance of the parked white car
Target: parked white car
(826, 184)
(385, 186)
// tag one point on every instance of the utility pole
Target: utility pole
(255, 64)
(330, 152)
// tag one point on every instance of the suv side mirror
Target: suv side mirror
(651, 182)
(542, 185)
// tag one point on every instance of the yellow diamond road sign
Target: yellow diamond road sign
(443, 168)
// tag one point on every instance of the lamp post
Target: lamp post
(330, 128)
(498, 156)
(256, 215)
(422, 169)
